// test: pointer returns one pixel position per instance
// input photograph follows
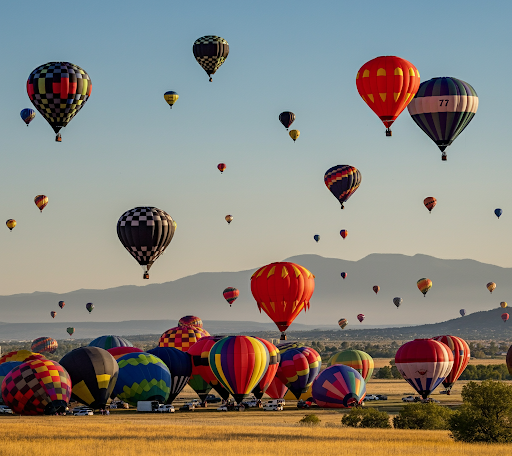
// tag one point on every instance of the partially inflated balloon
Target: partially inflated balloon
(41, 201)
(27, 115)
(443, 108)
(339, 386)
(171, 98)
(397, 301)
(230, 294)
(424, 285)
(44, 345)
(491, 286)
(505, 317)
(430, 202)
(343, 275)
(342, 322)
(221, 167)
(424, 364)
(360, 317)
(58, 90)
(316, 237)
(359, 360)
(498, 212)
(145, 232)
(89, 306)
(342, 181)
(387, 84)
(460, 352)
(11, 223)
(210, 52)
(286, 118)
(294, 134)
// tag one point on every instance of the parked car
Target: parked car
(443, 392)
(5, 410)
(187, 407)
(252, 403)
(211, 398)
(302, 404)
(429, 399)
(222, 408)
(382, 397)
(371, 397)
(166, 408)
(83, 412)
(410, 399)
(273, 407)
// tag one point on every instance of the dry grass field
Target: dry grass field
(381, 362)
(208, 432)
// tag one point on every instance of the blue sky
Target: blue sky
(126, 148)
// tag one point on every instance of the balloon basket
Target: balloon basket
(389, 133)
(444, 158)
(146, 276)
(283, 336)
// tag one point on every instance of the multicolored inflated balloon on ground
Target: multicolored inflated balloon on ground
(342, 181)
(491, 286)
(424, 364)
(424, 285)
(210, 52)
(282, 290)
(180, 367)
(171, 97)
(145, 233)
(239, 363)
(110, 341)
(89, 306)
(342, 322)
(286, 118)
(20, 355)
(277, 389)
(273, 364)
(93, 373)
(443, 108)
(37, 387)
(230, 294)
(44, 345)
(182, 337)
(142, 377)
(339, 386)
(11, 223)
(190, 320)
(387, 84)
(359, 360)
(430, 202)
(41, 201)
(397, 301)
(27, 115)
(117, 352)
(7, 367)
(498, 213)
(461, 353)
(58, 90)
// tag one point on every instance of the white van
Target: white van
(276, 402)
(273, 407)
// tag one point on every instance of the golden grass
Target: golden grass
(212, 433)
(381, 362)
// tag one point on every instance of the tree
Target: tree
(485, 415)
(429, 416)
(384, 372)
(366, 418)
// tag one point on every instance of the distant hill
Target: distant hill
(456, 284)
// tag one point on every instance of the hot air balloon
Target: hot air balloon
(180, 367)
(359, 360)
(503, 304)
(387, 84)
(294, 134)
(221, 167)
(282, 290)
(27, 115)
(230, 294)
(201, 387)
(199, 353)
(142, 377)
(376, 289)
(491, 286)
(316, 237)
(229, 218)
(342, 322)
(62, 304)
(285, 346)
(41, 201)
(339, 386)
(70, 331)
(397, 301)
(344, 233)
(93, 373)
(210, 52)
(58, 90)
(360, 317)
(298, 368)
(110, 341)
(498, 212)
(145, 232)
(190, 320)
(286, 118)
(342, 181)
(460, 352)
(117, 352)
(430, 202)
(7, 367)
(509, 360)
(277, 389)
(424, 364)
(270, 374)
(44, 345)
(20, 355)
(442, 108)
(89, 306)
(53, 313)
(11, 223)
(462, 312)
(182, 337)
(343, 275)
(171, 98)
(505, 317)
(239, 363)
(424, 285)
(37, 387)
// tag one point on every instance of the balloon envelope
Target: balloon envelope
(339, 386)
(359, 360)
(41, 201)
(376, 289)
(62, 304)
(286, 118)
(491, 286)
(505, 317)
(171, 97)
(20, 355)
(461, 353)
(269, 375)
(397, 301)
(53, 313)
(190, 320)
(70, 330)
(498, 212)
(230, 294)
(7, 367)
(277, 389)
(343, 275)
(182, 337)
(210, 52)
(110, 341)
(342, 322)
(463, 312)
(27, 115)
(316, 237)
(342, 181)
(221, 167)
(503, 304)
(294, 134)
(89, 306)
(360, 317)
(11, 223)
(424, 285)
(430, 202)
(44, 345)
(117, 352)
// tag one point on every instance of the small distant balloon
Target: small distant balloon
(27, 115)
(229, 218)
(286, 118)
(294, 134)
(430, 203)
(498, 212)
(41, 201)
(53, 313)
(221, 167)
(343, 275)
(462, 312)
(397, 301)
(503, 304)
(230, 294)
(89, 306)
(505, 317)
(342, 181)
(344, 233)
(211, 52)
(61, 304)
(424, 285)
(360, 317)
(491, 286)
(171, 98)
(70, 331)
(11, 223)
(343, 322)
(376, 289)
(316, 237)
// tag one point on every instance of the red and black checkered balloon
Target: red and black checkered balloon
(182, 337)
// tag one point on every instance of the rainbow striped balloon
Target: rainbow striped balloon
(339, 386)
(356, 359)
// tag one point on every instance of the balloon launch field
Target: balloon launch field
(212, 433)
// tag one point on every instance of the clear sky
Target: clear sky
(127, 148)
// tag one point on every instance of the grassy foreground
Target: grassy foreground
(221, 434)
